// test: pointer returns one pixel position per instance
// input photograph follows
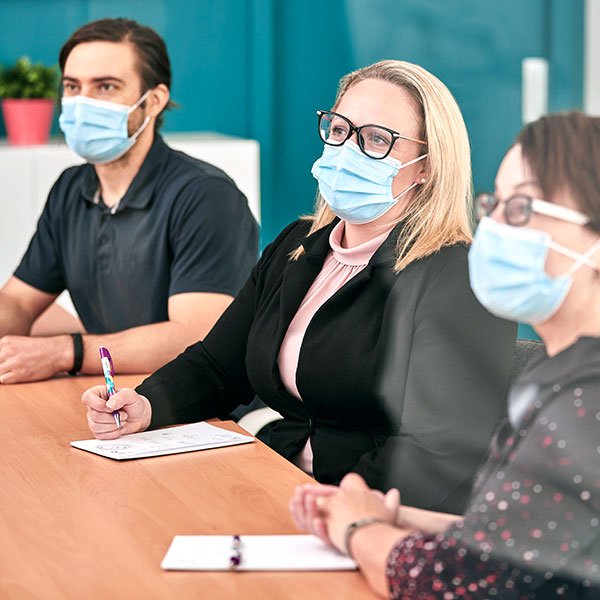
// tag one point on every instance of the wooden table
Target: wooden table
(77, 525)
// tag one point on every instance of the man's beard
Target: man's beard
(136, 119)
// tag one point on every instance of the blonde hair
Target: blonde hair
(440, 212)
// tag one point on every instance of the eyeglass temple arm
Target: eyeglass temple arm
(561, 212)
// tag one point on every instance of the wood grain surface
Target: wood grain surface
(78, 525)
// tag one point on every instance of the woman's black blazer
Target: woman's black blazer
(402, 375)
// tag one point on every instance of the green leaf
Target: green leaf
(25, 79)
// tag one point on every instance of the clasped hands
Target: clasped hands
(326, 510)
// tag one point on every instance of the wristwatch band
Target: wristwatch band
(77, 352)
(356, 525)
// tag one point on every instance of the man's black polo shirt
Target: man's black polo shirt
(183, 226)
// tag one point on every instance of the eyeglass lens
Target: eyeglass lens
(517, 209)
(374, 141)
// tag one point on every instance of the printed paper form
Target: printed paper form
(258, 553)
(185, 438)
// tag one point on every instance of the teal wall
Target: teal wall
(261, 68)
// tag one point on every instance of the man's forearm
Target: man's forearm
(13, 319)
(138, 350)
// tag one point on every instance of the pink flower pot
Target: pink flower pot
(28, 120)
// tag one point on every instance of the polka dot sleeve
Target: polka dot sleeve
(532, 528)
(438, 568)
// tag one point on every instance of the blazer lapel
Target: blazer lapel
(298, 276)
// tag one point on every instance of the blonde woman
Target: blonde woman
(358, 324)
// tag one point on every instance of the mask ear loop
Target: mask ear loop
(141, 128)
(580, 259)
(410, 162)
(146, 120)
(144, 96)
(405, 191)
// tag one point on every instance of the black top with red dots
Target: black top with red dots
(532, 527)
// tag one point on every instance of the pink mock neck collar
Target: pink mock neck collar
(359, 255)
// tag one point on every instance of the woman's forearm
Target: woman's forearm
(425, 521)
(370, 547)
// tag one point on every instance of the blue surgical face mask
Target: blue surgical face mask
(506, 270)
(96, 129)
(358, 189)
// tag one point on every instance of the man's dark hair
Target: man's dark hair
(153, 63)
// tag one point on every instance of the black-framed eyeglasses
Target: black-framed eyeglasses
(375, 141)
(518, 209)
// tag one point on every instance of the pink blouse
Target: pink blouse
(341, 264)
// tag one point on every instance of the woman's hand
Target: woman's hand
(135, 412)
(303, 507)
(353, 501)
(371, 544)
(317, 508)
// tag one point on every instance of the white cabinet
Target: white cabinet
(28, 172)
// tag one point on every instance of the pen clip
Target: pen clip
(104, 353)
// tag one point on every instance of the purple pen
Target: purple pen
(109, 373)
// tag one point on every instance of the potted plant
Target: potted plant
(28, 92)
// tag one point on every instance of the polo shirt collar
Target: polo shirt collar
(141, 190)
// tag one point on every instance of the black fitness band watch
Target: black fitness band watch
(78, 353)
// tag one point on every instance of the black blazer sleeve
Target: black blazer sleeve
(210, 378)
(444, 389)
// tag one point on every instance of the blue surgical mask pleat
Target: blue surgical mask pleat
(507, 273)
(358, 189)
(96, 129)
